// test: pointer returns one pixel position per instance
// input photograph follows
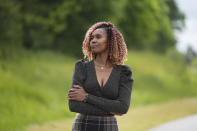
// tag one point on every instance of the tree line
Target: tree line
(61, 25)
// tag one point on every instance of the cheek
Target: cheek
(104, 42)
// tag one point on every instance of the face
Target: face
(98, 40)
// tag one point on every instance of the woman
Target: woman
(101, 86)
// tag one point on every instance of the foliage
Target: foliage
(10, 25)
(146, 24)
(61, 25)
(176, 16)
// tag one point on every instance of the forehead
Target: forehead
(99, 31)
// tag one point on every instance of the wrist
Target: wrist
(86, 97)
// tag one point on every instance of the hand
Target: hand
(115, 113)
(77, 93)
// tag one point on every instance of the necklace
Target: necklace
(102, 67)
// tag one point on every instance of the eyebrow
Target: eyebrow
(96, 34)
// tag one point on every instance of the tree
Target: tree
(176, 16)
(147, 25)
(60, 25)
(10, 26)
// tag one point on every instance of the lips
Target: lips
(94, 46)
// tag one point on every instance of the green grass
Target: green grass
(159, 78)
(33, 85)
(33, 88)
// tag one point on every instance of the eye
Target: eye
(98, 36)
(91, 37)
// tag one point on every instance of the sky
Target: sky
(189, 35)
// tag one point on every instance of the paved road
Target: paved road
(184, 124)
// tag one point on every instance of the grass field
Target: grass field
(33, 85)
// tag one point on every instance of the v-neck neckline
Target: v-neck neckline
(96, 76)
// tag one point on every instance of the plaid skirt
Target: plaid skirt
(94, 123)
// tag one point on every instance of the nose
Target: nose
(93, 41)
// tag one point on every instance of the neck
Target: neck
(101, 59)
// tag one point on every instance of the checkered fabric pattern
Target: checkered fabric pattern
(94, 123)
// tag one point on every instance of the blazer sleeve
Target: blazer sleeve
(122, 103)
(78, 78)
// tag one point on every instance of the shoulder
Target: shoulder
(125, 71)
(81, 63)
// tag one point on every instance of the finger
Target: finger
(73, 96)
(77, 86)
(70, 91)
(73, 89)
(73, 92)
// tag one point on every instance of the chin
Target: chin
(95, 51)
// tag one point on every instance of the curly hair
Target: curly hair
(117, 49)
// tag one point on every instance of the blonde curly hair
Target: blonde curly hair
(116, 45)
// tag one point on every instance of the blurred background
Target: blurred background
(41, 40)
